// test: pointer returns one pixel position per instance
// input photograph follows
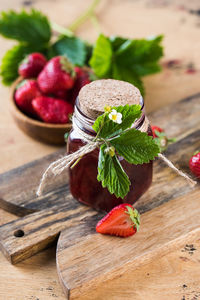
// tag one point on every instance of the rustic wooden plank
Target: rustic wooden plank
(29, 235)
(167, 185)
(42, 228)
(21, 201)
(164, 277)
(87, 263)
(21, 198)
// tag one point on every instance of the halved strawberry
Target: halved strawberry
(123, 220)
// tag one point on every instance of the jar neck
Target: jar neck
(84, 123)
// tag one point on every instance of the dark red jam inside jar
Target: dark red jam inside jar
(83, 176)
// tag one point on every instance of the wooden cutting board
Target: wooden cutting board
(86, 260)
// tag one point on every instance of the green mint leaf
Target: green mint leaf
(32, 28)
(72, 47)
(101, 59)
(112, 175)
(135, 146)
(108, 128)
(11, 61)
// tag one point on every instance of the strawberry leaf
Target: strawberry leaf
(108, 128)
(135, 146)
(126, 74)
(32, 28)
(73, 48)
(101, 59)
(111, 174)
(141, 56)
(126, 59)
(11, 61)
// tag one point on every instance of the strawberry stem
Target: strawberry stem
(83, 17)
(196, 152)
(61, 29)
(89, 13)
(95, 22)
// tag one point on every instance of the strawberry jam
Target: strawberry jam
(83, 176)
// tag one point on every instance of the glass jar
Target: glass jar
(83, 176)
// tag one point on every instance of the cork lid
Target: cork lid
(94, 96)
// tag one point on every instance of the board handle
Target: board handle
(24, 237)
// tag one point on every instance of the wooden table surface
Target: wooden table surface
(179, 271)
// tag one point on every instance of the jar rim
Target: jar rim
(85, 123)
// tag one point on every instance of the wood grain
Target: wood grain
(91, 261)
(25, 237)
(22, 201)
(163, 277)
(116, 18)
(174, 274)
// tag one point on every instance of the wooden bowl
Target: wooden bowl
(44, 132)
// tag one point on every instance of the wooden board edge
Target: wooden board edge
(74, 293)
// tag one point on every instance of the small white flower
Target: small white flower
(115, 116)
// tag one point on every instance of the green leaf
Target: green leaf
(101, 57)
(109, 128)
(11, 61)
(32, 28)
(135, 146)
(89, 50)
(141, 56)
(73, 48)
(126, 59)
(126, 74)
(112, 175)
(116, 42)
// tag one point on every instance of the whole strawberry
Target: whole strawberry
(25, 92)
(83, 77)
(51, 110)
(62, 94)
(161, 138)
(57, 75)
(32, 65)
(123, 220)
(194, 164)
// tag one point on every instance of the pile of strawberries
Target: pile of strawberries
(49, 89)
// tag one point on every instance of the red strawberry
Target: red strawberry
(194, 164)
(32, 65)
(52, 110)
(156, 130)
(26, 91)
(123, 220)
(82, 78)
(57, 75)
(62, 94)
(160, 137)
